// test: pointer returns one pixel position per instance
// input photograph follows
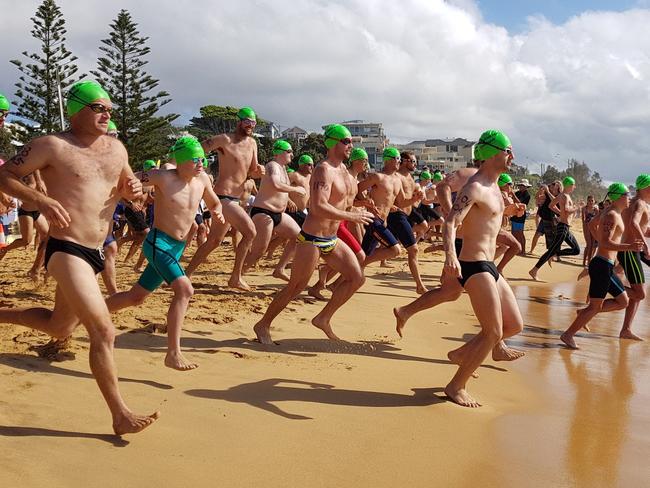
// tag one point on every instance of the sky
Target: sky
(562, 79)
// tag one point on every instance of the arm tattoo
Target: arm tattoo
(272, 170)
(321, 185)
(19, 159)
(144, 178)
(461, 203)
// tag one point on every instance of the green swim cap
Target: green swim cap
(390, 153)
(491, 143)
(112, 126)
(281, 146)
(305, 159)
(358, 153)
(568, 181)
(616, 191)
(148, 164)
(643, 181)
(504, 179)
(4, 103)
(187, 148)
(246, 113)
(334, 133)
(82, 94)
(290, 170)
(437, 176)
(425, 175)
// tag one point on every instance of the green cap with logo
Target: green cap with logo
(616, 191)
(246, 113)
(642, 181)
(148, 164)
(334, 134)
(491, 143)
(390, 153)
(425, 175)
(437, 176)
(281, 146)
(358, 153)
(83, 94)
(186, 149)
(305, 159)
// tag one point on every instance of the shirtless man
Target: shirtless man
(603, 280)
(330, 187)
(507, 245)
(268, 213)
(86, 173)
(563, 204)
(636, 219)
(479, 207)
(300, 178)
(390, 226)
(177, 196)
(237, 162)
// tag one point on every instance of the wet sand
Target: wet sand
(368, 412)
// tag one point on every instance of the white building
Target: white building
(445, 155)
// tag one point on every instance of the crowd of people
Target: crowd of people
(332, 218)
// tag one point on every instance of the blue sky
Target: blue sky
(512, 14)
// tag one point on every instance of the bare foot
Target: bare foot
(456, 357)
(461, 397)
(628, 334)
(315, 291)
(177, 361)
(401, 320)
(263, 333)
(569, 341)
(240, 284)
(386, 264)
(501, 352)
(434, 248)
(533, 273)
(421, 290)
(325, 326)
(132, 423)
(281, 274)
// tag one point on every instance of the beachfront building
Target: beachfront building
(445, 155)
(270, 130)
(370, 136)
(295, 133)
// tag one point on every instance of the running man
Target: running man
(86, 173)
(563, 204)
(177, 196)
(300, 178)
(479, 207)
(390, 227)
(603, 280)
(237, 162)
(329, 196)
(635, 218)
(268, 212)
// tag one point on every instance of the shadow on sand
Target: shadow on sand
(9, 431)
(264, 394)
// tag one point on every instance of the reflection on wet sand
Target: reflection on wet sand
(594, 431)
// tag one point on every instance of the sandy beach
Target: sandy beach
(310, 412)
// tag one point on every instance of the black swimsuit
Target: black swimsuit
(94, 257)
(276, 217)
(34, 214)
(470, 268)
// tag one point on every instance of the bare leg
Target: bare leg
(595, 305)
(449, 291)
(636, 295)
(26, 224)
(415, 271)
(216, 235)
(81, 290)
(383, 253)
(136, 245)
(183, 292)
(535, 239)
(513, 248)
(264, 229)
(307, 255)
(108, 275)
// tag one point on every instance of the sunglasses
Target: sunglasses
(98, 108)
(346, 142)
(249, 122)
(200, 161)
(506, 150)
(4, 113)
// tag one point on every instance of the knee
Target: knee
(413, 251)
(516, 247)
(396, 251)
(623, 301)
(64, 331)
(357, 280)
(102, 332)
(249, 234)
(184, 290)
(494, 335)
(639, 294)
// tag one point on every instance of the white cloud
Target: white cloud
(425, 68)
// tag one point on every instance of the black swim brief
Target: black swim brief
(298, 216)
(276, 217)
(228, 198)
(470, 268)
(207, 215)
(198, 218)
(34, 214)
(94, 257)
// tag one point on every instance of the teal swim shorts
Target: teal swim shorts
(163, 253)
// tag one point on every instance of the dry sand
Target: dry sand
(309, 412)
